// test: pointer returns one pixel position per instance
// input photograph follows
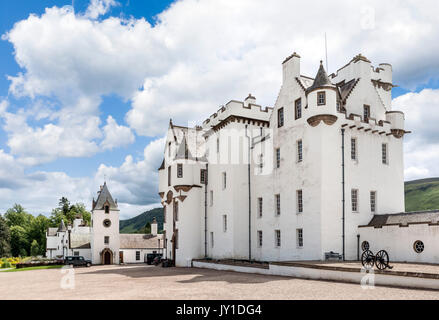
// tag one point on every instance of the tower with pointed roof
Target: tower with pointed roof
(105, 240)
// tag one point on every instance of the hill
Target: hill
(133, 225)
(422, 194)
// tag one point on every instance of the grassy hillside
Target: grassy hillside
(135, 224)
(422, 194)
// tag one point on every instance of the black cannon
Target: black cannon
(381, 260)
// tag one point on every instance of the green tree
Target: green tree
(79, 210)
(34, 248)
(146, 229)
(19, 240)
(17, 216)
(5, 238)
(37, 231)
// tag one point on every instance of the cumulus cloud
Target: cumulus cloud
(135, 182)
(116, 135)
(97, 8)
(422, 145)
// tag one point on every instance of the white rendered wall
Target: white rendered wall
(99, 232)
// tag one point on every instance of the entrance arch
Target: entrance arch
(107, 256)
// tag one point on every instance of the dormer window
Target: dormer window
(107, 209)
(321, 98)
(366, 112)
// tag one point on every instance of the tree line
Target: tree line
(23, 234)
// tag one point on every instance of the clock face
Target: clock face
(107, 223)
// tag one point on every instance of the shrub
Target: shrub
(6, 265)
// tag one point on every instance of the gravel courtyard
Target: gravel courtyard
(148, 282)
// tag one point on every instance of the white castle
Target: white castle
(325, 175)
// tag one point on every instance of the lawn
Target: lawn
(32, 268)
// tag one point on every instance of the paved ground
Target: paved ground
(148, 282)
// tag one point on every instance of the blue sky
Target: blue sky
(88, 94)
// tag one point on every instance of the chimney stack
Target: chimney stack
(291, 68)
(154, 227)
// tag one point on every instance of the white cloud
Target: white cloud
(422, 145)
(202, 53)
(135, 182)
(116, 135)
(97, 8)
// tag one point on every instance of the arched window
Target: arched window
(107, 209)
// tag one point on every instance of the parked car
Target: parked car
(151, 256)
(77, 261)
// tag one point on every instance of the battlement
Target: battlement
(245, 109)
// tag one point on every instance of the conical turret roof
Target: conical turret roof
(62, 227)
(321, 80)
(105, 197)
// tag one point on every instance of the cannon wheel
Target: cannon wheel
(382, 260)
(367, 259)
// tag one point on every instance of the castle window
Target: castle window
(211, 239)
(354, 149)
(179, 170)
(217, 145)
(338, 106)
(175, 211)
(203, 177)
(384, 157)
(107, 209)
(299, 235)
(169, 176)
(299, 151)
(260, 202)
(299, 201)
(366, 112)
(164, 214)
(321, 98)
(211, 197)
(176, 238)
(277, 199)
(261, 163)
(354, 200)
(418, 246)
(224, 180)
(365, 246)
(225, 223)
(278, 158)
(76, 253)
(106, 240)
(277, 240)
(169, 150)
(280, 117)
(259, 238)
(137, 255)
(373, 199)
(298, 108)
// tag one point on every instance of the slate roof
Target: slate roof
(321, 80)
(140, 241)
(62, 227)
(51, 232)
(80, 240)
(404, 218)
(104, 196)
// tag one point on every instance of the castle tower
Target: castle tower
(105, 235)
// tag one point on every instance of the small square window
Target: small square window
(277, 199)
(277, 240)
(137, 255)
(280, 117)
(299, 233)
(179, 170)
(278, 158)
(106, 240)
(354, 200)
(299, 151)
(299, 201)
(298, 108)
(321, 98)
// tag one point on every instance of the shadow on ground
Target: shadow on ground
(199, 275)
